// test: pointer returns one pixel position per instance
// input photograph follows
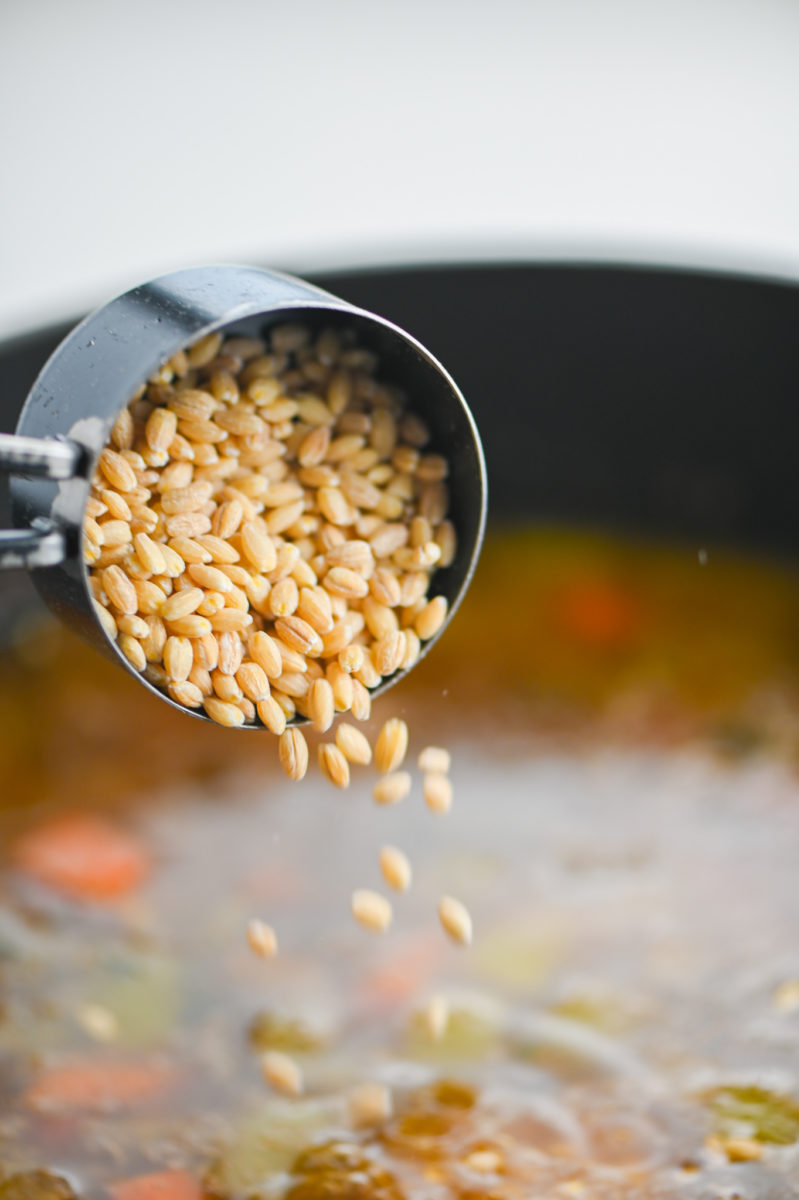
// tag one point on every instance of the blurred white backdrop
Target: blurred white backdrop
(137, 137)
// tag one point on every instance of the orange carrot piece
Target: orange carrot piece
(395, 981)
(83, 855)
(96, 1085)
(160, 1185)
(598, 613)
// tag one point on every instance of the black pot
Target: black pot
(659, 400)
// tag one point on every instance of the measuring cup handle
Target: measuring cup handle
(43, 545)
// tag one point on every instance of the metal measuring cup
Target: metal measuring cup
(67, 419)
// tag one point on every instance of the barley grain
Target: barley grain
(355, 554)
(392, 788)
(116, 505)
(263, 649)
(351, 658)
(431, 618)
(156, 675)
(119, 589)
(223, 712)
(253, 681)
(339, 636)
(206, 651)
(122, 430)
(321, 709)
(99, 1022)
(190, 551)
(313, 447)
(396, 868)
(178, 658)
(341, 581)
(391, 745)
(212, 603)
(191, 626)
(447, 541)
(434, 502)
(381, 620)
(271, 714)
(261, 938)
(205, 350)
(388, 653)
(437, 791)
(116, 533)
(284, 598)
(434, 758)
(299, 635)
(186, 693)
(226, 687)
(293, 753)
(133, 651)
(201, 678)
(181, 604)
(153, 636)
(353, 744)
(229, 620)
(117, 470)
(485, 1162)
(369, 1105)
(334, 765)
(106, 620)
(413, 648)
(161, 427)
(282, 1073)
(281, 519)
(187, 525)
(361, 704)
(388, 538)
(385, 588)
(436, 1017)
(455, 920)
(175, 565)
(185, 499)
(220, 551)
(313, 605)
(314, 411)
(286, 704)
(371, 910)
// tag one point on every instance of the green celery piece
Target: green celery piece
(753, 1112)
(271, 1031)
(265, 1145)
(468, 1036)
(143, 993)
(520, 955)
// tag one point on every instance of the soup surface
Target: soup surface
(624, 723)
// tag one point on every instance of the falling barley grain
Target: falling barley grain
(396, 868)
(455, 920)
(282, 1073)
(293, 750)
(437, 791)
(261, 938)
(392, 788)
(391, 745)
(371, 910)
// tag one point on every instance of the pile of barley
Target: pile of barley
(263, 527)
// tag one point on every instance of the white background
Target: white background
(141, 136)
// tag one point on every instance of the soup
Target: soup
(624, 725)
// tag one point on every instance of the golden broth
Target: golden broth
(624, 725)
